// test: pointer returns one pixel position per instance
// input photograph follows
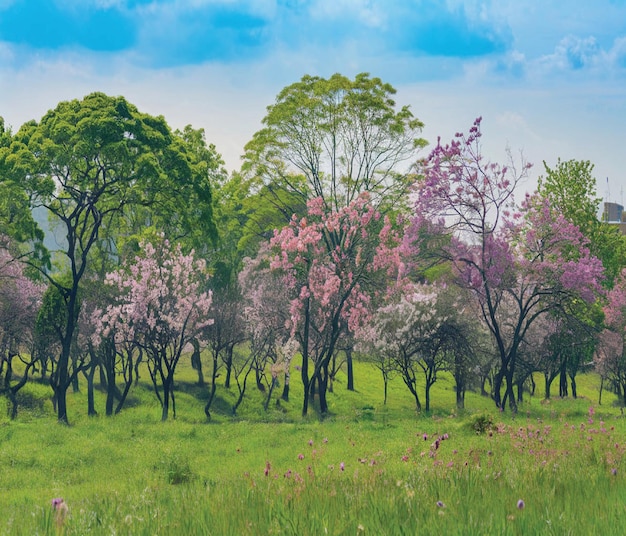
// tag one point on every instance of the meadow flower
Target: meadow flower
(310, 442)
(425, 437)
(342, 466)
(614, 471)
(520, 504)
(405, 458)
(440, 504)
(301, 456)
(325, 440)
(266, 472)
(60, 506)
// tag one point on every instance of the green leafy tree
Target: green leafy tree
(89, 163)
(572, 190)
(16, 218)
(336, 138)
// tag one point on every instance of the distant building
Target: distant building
(614, 214)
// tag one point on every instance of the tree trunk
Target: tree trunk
(548, 383)
(285, 395)
(91, 406)
(166, 401)
(509, 391)
(497, 388)
(322, 383)
(601, 387)
(229, 366)
(573, 384)
(305, 360)
(111, 388)
(196, 362)
(385, 385)
(563, 380)
(207, 407)
(350, 369)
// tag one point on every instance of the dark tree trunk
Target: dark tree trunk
(285, 395)
(563, 381)
(322, 383)
(385, 387)
(111, 389)
(91, 406)
(229, 366)
(166, 401)
(207, 407)
(497, 388)
(350, 369)
(548, 383)
(196, 362)
(573, 383)
(601, 387)
(305, 360)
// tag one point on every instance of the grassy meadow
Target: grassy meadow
(556, 468)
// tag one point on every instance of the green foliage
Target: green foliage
(133, 475)
(335, 138)
(572, 190)
(175, 466)
(481, 423)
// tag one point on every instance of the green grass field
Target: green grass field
(365, 469)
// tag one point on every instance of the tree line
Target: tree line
(342, 237)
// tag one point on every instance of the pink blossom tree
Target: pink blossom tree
(20, 299)
(610, 356)
(531, 259)
(266, 313)
(161, 306)
(325, 259)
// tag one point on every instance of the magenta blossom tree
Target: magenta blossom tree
(610, 356)
(20, 299)
(161, 306)
(325, 259)
(517, 263)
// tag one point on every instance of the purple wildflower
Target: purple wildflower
(521, 504)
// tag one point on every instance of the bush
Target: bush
(481, 423)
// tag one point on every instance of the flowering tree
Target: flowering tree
(402, 330)
(266, 313)
(161, 307)
(20, 299)
(518, 264)
(325, 259)
(610, 356)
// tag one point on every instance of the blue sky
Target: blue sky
(548, 77)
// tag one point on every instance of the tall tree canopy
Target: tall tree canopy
(335, 138)
(92, 163)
